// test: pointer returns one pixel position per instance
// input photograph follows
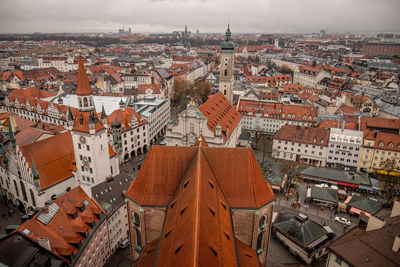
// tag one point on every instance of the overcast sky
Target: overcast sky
(261, 16)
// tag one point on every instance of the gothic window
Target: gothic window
(23, 191)
(136, 219)
(32, 197)
(226, 72)
(261, 223)
(85, 102)
(259, 240)
(91, 103)
(16, 188)
(138, 238)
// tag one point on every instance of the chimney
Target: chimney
(396, 209)
(375, 222)
(44, 242)
(396, 243)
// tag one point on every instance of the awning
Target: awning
(275, 187)
(348, 199)
(369, 188)
(358, 211)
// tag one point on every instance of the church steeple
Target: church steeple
(228, 34)
(83, 90)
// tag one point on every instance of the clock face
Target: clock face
(82, 140)
(226, 59)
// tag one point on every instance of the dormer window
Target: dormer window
(390, 145)
(381, 144)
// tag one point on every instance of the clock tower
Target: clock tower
(89, 137)
(226, 74)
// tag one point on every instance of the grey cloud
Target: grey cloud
(205, 15)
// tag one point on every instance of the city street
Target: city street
(6, 219)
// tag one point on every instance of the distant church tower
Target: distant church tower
(226, 74)
(89, 137)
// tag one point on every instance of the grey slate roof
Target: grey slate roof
(365, 204)
(326, 174)
(110, 194)
(325, 194)
(304, 233)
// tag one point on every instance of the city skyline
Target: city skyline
(165, 16)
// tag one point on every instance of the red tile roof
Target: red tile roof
(198, 230)
(219, 111)
(63, 231)
(236, 170)
(346, 110)
(305, 113)
(84, 125)
(83, 87)
(303, 134)
(382, 124)
(338, 124)
(125, 116)
(142, 88)
(53, 158)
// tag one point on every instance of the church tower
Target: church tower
(89, 137)
(84, 91)
(226, 74)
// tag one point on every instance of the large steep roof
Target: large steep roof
(53, 158)
(236, 170)
(198, 228)
(219, 111)
(83, 87)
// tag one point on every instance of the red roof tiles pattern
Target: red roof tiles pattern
(278, 110)
(83, 87)
(219, 111)
(53, 157)
(63, 231)
(302, 134)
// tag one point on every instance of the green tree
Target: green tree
(291, 169)
(388, 176)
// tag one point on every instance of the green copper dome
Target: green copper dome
(228, 45)
(218, 127)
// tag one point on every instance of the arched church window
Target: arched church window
(191, 127)
(80, 102)
(85, 102)
(91, 103)
(224, 92)
(136, 219)
(261, 222)
(259, 240)
(138, 238)
(23, 191)
(226, 72)
(33, 197)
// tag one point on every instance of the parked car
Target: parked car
(343, 220)
(124, 243)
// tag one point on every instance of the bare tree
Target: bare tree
(389, 179)
(290, 168)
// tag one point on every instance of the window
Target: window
(259, 240)
(136, 219)
(87, 148)
(338, 260)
